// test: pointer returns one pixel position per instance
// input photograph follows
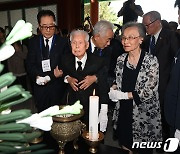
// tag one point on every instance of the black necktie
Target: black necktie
(79, 66)
(152, 45)
(47, 49)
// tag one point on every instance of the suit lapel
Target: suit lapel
(147, 42)
(71, 64)
(89, 49)
(159, 42)
(40, 45)
(89, 66)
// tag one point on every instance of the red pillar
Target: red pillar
(94, 11)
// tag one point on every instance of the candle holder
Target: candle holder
(93, 144)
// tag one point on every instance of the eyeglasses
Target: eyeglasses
(129, 38)
(150, 23)
(48, 27)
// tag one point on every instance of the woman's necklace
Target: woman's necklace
(133, 59)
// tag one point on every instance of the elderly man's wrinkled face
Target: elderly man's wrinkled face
(104, 41)
(79, 45)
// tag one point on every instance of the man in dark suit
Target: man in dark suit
(172, 100)
(84, 73)
(101, 37)
(99, 45)
(43, 62)
(172, 97)
(103, 45)
(163, 44)
(99, 42)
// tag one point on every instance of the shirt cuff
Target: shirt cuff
(104, 107)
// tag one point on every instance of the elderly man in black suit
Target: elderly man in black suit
(163, 44)
(84, 73)
(99, 45)
(99, 42)
(172, 97)
(43, 62)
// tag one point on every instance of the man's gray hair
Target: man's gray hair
(154, 15)
(102, 26)
(79, 32)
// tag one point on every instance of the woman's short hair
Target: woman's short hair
(141, 28)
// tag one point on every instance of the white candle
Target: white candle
(93, 117)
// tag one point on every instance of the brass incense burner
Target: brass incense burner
(67, 128)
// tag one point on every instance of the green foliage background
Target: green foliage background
(105, 12)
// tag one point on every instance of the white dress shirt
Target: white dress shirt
(49, 43)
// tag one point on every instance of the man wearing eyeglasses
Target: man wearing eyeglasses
(163, 44)
(43, 62)
(43, 66)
